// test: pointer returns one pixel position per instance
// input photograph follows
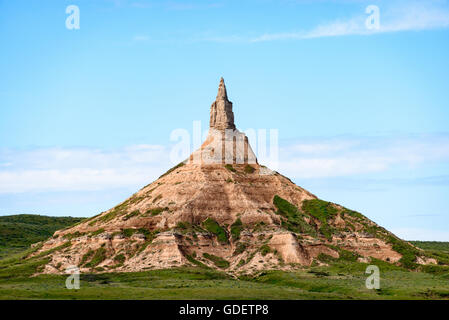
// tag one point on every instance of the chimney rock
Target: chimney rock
(221, 115)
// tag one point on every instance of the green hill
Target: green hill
(432, 245)
(18, 232)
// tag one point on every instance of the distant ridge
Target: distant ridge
(18, 232)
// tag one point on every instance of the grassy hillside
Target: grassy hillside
(18, 232)
(432, 245)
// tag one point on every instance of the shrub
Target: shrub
(348, 255)
(326, 258)
(352, 213)
(87, 257)
(116, 211)
(236, 228)
(191, 259)
(182, 225)
(322, 210)
(132, 214)
(230, 167)
(265, 249)
(249, 169)
(120, 258)
(213, 227)
(240, 248)
(408, 252)
(155, 211)
(70, 236)
(128, 232)
(98, 257)
(96, 233)
(218, 261)
(294, 218)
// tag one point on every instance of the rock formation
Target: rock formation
(221, 115)
(220, 208)
(224, 143)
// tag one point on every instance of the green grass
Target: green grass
(218, 261)
(408, 252)
(18, 232)
(128, 232)
(70, 236)
(265, 249)
(240, 248)
(249, 169)
(343, 278)
(97, 232)
(120, 258)
(98, 257)
(340, 280)
(436, 250)
(118, 210)
(192, 259)
(155, 211)
(132, 214)
(236, 229)
(294, 219)
(323, 211)
(432, 245)
(213, 227)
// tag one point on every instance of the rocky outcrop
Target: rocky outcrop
(224, 143)
(222, 209)
(221, 115)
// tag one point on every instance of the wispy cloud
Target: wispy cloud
(343, 157)
(394, 17)
(71, 169)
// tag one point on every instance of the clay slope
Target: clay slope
(225, 216)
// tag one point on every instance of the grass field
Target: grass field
(340, 280)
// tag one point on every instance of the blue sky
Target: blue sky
(86, 115)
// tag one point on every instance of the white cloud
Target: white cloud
(407, 16)
(341, 157)
(62, 169)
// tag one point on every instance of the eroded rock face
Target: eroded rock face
(225, 211)
(224, 147)
(221, 115)
(224, 143)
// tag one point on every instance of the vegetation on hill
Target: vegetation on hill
(18, 232)
(432, 245)
(341, 279)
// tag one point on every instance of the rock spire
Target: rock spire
(221, 115)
